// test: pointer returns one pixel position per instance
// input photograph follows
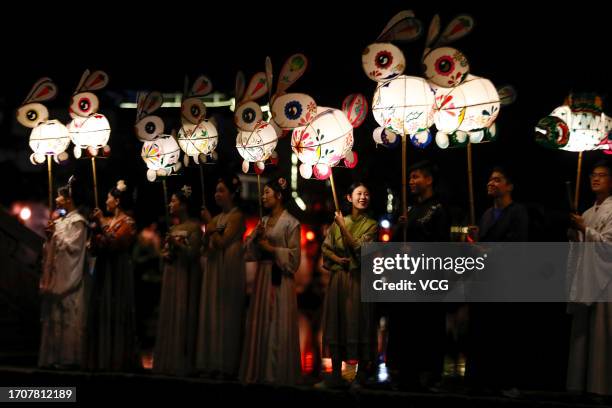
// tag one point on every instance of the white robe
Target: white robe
(590, 272)
(63, 291)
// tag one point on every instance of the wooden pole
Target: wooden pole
(50, 183)
(404, 188)
(202, 185)
(578, 174)
(95, 181)
(471, 184)
(167, 210)
(333, 186)
(259, 196)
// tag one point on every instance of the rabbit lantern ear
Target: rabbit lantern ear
(92, 82)
(148, 103)
(257, 87)
(43, 90)
(292, 70)
(239, 88)
(201, 87)
(402, 27)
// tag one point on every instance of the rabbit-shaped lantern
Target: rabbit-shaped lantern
(197, 136)
(466, 106)
(160, 151)
(402, 104)
(89, 129)
(49, 137)
(256, 138)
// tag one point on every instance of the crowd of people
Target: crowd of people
(208, 325)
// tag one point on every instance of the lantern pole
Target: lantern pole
(50, 183)
(95, 180)
(202, 185)
(404, 191)
(166, 209)
(333, 186)
(578, 173)
(470, 184)
(259, 196)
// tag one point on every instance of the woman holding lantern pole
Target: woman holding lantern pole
(349, 327)
(175, 346)
(271, 352)
(223, 286)
(111, 332)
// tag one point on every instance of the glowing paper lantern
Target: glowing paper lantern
(160, 152)
(578, 125)
(402, 105)
(467, 110)
(256, 139)
(49, 137)
(328, 138)
(89, 129)
(197, 136)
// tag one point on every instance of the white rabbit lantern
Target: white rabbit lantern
(402, 104)
(160, 152)
(256, 139)
(578, 125)
(89, 129)
(328, 138)
(197, 136)
(49, 137)
(466, 106)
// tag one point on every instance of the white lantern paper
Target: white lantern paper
(256, 139)
(404, 105)
(161, 157)
(197, 136)
(160, 152)
(328, 138)
(89, 129)
(198, 140)
(579, 125)
(257, 145)
(49, 137)
(471, 108)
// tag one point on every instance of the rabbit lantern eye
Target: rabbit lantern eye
(32, 114)
(84, 104)
(149, 128)
(383, 61)
(294, 109)
(248, 115)
(193, 110)
(446, 67)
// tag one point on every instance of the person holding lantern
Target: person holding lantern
(416, 350)
(223, 286)
(62, 285)
(271, 352)
(589, 266)
(111, 331)
(175, 347)
(349, 326)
